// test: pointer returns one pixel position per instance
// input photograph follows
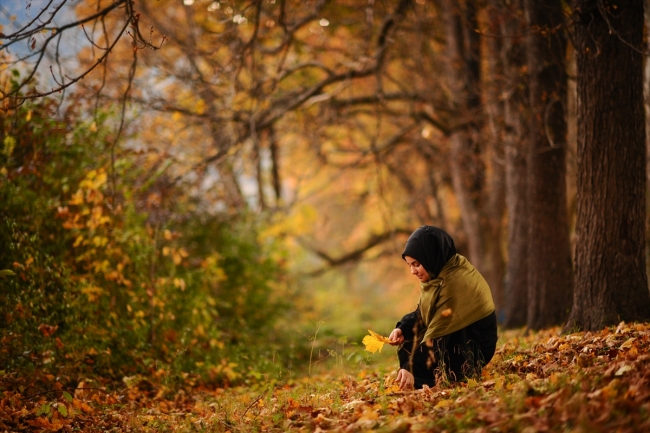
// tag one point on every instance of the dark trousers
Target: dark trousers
(459, 355)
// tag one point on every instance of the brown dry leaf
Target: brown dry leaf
(47, 330)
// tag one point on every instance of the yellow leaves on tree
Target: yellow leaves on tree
(92, 292)
(374, 342)
(94, 180)
(97, 248)
(177, 254)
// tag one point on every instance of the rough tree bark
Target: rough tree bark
(463, 72)
(467, 166)
(496, 125)
(516, 112)
(550, 275)
(646, 90)
(611, 278)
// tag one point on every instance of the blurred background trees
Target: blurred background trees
(236, 174)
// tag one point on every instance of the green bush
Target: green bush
(117, 272)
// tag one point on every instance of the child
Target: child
(454, 329)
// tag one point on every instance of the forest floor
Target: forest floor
(544, 381)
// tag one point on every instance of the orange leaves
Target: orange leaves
(44, 423)
(82, 406)
(88, 210)
(99, 246)
(97, 218)
(89, 191)
(39, 402)
(76, 200)
(530, 385)
(177, 254)
(47, 330)
(169, 235)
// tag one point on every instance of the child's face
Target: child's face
(417, 269)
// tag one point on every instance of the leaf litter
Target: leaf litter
(537, 382)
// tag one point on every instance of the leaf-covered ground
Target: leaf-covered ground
(591, 382)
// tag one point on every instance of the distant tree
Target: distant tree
(496, 82)
(479, 196)
(550, 275)
(611, 278)
(513, 31)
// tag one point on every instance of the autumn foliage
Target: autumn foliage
(115, 267)
(591, 382)
(202, 206)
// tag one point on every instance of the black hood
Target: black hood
(432, 247)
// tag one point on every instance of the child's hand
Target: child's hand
(396, 338)
(405, 380)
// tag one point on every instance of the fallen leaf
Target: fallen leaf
(354, 404)
(628, 343)
(621, 371)
(444, 403)
(47, 330)
(488, 384)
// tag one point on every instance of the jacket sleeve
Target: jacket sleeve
(410, 323)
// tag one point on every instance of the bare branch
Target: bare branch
(16, 95)
(351, 256)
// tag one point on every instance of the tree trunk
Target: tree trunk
(550, 276)
(467, 168)
(611, 279)
(481, 208)
(496, 124)
(516, 111)
(646, 90)
(233, 193)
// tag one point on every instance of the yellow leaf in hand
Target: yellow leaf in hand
(374, 342)
(379, 337)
